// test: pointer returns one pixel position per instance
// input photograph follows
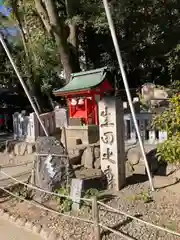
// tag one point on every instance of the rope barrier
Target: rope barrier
(44, 191)
(84, 199)
(140, 220)
(90, 200)
(17, 165)
(65, 215)
(46, 208)
(16, 176)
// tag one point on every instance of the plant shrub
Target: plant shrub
(169, 151)
(169, 121)
(64, 204)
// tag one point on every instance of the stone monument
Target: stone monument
(52, 169)
(111, 128)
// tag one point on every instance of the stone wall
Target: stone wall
(88, 156)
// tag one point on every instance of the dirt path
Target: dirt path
(10, 231)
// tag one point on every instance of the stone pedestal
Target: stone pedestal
(111, 129)
(86, 134)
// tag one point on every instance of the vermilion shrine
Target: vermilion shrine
(83, 92)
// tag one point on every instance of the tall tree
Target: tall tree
(60, 34)
(38, 53)
(54, 15)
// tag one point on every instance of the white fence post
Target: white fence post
(148, 134)
(15, 125)
(27, 127)
(142, 128)
(31, 127)
(162, 136)
(152, 136)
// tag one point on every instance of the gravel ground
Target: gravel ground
(163, 210)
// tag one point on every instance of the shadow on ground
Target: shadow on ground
(136, 178)
(116, 227)
(157, 168)
(106, 197)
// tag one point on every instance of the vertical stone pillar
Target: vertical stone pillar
(15, 125)
(111, 129)
(33, 128)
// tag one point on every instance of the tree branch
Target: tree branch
(44, 15)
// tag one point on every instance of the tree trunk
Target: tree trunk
(71, 10)
(74, 44)
(56, 27)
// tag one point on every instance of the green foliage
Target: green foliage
(174, 88)
(92, 192)
(169, 121)
(143, 196)
(23, 192)
(174, 62)
(64, 204)
(169, 151)
(88, 194)
(39, 68)
(149, 44)
(143, 104)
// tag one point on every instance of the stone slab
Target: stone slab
(76, 193)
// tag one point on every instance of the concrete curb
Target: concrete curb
(44, 232)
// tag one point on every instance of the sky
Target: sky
(5, 11)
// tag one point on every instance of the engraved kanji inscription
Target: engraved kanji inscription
(107, 155)
(109, 176)
(106, 115)
(108, 138)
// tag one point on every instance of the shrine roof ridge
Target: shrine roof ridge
(84, 80)
(89, 72)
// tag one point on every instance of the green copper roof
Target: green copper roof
(84, 80)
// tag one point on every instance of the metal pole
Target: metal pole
(22, 83)
(118, 53)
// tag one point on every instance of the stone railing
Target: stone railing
(149, 135)
(27, 128)
(48, 120)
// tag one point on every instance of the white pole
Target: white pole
(118, 53)
(22, 83)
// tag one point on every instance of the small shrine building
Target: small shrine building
(82, 93)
